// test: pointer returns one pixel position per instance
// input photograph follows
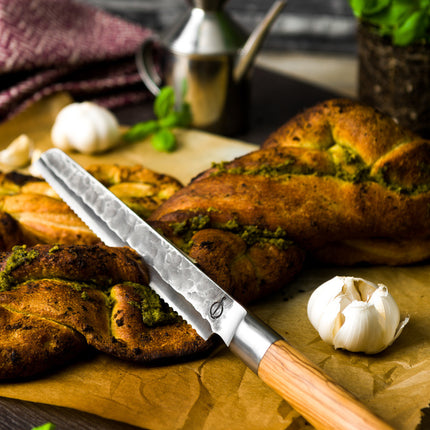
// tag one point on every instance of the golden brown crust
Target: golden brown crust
(30, 345)
(341, 121)
(142, 189)
(340, 182)
(138, 342)
(63, 299)
(97, 263)
(40, 216)
(338, 171)
(246, 272)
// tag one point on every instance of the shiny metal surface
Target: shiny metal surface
(207, 58)
(205, 32)
(218, 104)
(177, 280)
(252, 340)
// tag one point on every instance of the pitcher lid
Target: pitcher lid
(206, 30)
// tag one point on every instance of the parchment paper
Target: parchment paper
(219, 392)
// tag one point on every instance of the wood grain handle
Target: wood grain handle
(313, 394)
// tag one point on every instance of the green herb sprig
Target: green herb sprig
(46, 426)
(404, 21)
(160, 129)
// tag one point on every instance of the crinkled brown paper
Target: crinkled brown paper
(219, 392)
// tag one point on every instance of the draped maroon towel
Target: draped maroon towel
(48, 46)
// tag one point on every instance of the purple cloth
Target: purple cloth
(47, 46)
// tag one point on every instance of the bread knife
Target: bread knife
(204, 304)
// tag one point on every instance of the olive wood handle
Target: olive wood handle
(318, 398)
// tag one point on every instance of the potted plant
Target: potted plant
(394, 59)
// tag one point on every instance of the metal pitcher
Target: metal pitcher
(207, 58)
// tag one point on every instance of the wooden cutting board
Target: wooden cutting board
(196, 150)
(219, 392)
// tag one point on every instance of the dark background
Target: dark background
(304, 25)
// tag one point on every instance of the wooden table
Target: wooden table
(275, 98)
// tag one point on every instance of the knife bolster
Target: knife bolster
(252, 340)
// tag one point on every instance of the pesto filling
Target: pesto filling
(288, 167)
(154, 311)
(20, 255)
(346, 165)
(250, 234)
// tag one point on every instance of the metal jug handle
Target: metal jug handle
(146, 66)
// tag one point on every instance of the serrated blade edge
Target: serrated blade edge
(178, 281)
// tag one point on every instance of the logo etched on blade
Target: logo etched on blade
(217, 309)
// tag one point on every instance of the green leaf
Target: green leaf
(164, 102)
(171, 120)
(164, 107)
(141, 130)
(368, 7)
(164, 140)
(46, 426)
(181, 118)
(404, 21)
(411, 30)
(395, 15)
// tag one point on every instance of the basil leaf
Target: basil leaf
(411, 30)
(164, 140)
(141, 130)
(164, 108)
(395, 15)
(368, 7)
(171, 120)
(46, 426)
(164, 102)
(181, 118)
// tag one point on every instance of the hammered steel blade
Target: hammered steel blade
(173, 276)
(205, 305)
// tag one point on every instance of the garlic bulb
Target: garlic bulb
(18, 153)
(355, 314)
(85, 127)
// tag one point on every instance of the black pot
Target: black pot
(395, 79)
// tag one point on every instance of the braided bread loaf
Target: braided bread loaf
(340, 181)
(55, 301)
(32, 213)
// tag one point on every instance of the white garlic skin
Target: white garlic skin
(18, 153)
(355, 314)
(85, 127)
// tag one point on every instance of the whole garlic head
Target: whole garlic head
(85, 127)
(355, 314)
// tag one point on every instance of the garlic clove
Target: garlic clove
(18, 153)
(332, 319)
(358, 288)
(361, 330)
(388, 310)
(321, 297)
